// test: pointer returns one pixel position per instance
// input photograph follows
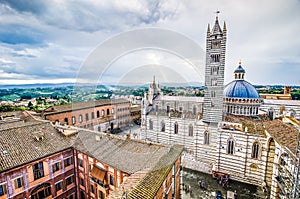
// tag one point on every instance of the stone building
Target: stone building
(35, 160)
(100, 115)
(232, 130)
(107, 164)
(39, 160)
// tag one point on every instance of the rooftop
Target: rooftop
(20, 142)
(82, 105)
(285, 134)
(180, 98)
(118, 152)
(254, 124)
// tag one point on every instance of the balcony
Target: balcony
(105, 186)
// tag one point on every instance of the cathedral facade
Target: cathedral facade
(230, 130)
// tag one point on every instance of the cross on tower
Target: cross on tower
(217, 13)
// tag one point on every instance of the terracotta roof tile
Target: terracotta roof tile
(286, 135)
(83, 105)
(18, 144)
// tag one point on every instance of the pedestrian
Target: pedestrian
(202, 184)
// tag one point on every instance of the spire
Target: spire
(224, 27)
(217, 28)
(208, 29)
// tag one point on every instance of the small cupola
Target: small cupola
(239, 72)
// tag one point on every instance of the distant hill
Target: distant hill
(29, 86)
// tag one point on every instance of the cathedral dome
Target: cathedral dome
(240, 89)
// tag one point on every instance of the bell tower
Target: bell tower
(214, 73)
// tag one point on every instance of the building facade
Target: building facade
(100, 115)
(39, 161)
(36, 162)
(232, 130)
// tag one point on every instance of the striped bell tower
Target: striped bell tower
(214, 73)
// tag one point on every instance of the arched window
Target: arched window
(98, 114)
(175, 128)
(102, 113)
(230, 147)
(163, 126)
(107, 112)
(191, 133)
(168, 108)
(41, 191)
(206, 137)
(255, 150)
(150, 124)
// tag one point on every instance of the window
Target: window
(3, 190)
(255, 150)
(80, 118)
(58, 186)
(68, 161)
(150, 124)
(180, 109)
(214, 82)
(66, 120)
(69, 180)
(112, 111)
(38, 170)
(19, 182)
(213, 93)
(92, 188)
(102, 113)
(163, 126)
(56, 166)
(215, 58)
(42, 191)
(107, 112)
(73, 120)
(98, 114)
(168, 109)
(191, 133)
(93, 115)
(101, 195)
(82, 195)
(111, 180)
(80, 162)
(86, 117)
(206, 137)
(214, 70)
(81, 181)
(230, 146)
(176, 128)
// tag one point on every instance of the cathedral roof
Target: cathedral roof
(240, 89)
(239, 69)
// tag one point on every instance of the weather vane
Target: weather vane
(217, 12)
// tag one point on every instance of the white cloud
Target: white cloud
(51, 39)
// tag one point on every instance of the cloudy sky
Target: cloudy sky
(54, 41)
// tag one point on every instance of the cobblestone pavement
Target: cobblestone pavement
(191, 178)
